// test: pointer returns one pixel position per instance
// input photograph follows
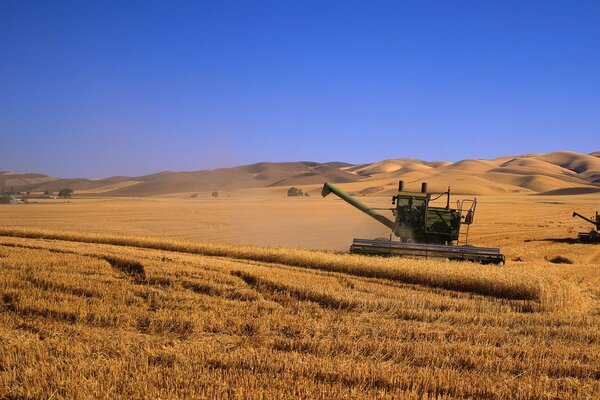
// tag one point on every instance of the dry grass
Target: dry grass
(92, 316)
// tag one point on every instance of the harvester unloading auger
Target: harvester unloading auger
(594, 235)
(424, 231)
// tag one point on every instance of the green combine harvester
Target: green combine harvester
(594, 235)
(422, 230)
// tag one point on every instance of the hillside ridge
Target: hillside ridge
(553, 173)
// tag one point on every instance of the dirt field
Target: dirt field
(265, 217)
(92, 314)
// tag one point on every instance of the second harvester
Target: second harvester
(594, 235)
(423, 230)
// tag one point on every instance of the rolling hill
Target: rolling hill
(551, 173)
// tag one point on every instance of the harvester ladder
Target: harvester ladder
(465, 234)
(469, 206)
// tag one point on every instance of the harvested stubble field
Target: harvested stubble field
(87, 315)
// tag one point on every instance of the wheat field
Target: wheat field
(99, 315)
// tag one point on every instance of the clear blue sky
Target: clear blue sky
(103, 88)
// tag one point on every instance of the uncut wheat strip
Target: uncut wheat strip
(497, 282)
(94, 252)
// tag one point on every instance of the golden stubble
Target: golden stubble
(98, 315)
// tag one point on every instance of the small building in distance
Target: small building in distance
(296, 192)
(11, 199)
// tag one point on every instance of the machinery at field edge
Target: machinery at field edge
(423, 230)
(594, 235)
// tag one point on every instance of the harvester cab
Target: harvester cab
(422, 229)
(419, 222)
(594, 235)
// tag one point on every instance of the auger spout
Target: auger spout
(329, 188)
(591, 221)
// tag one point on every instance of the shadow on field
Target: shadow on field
(131, 268)
(555, 240)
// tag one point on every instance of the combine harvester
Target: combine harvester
(594, 235)
(424, 231)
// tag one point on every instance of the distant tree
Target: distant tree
(194, 195)
(65, 193)
(5, 199)
(215, 194)
(306, 194)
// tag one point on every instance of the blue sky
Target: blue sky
(104, 88)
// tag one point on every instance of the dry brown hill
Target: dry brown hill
(15, 180)
(553, 173)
